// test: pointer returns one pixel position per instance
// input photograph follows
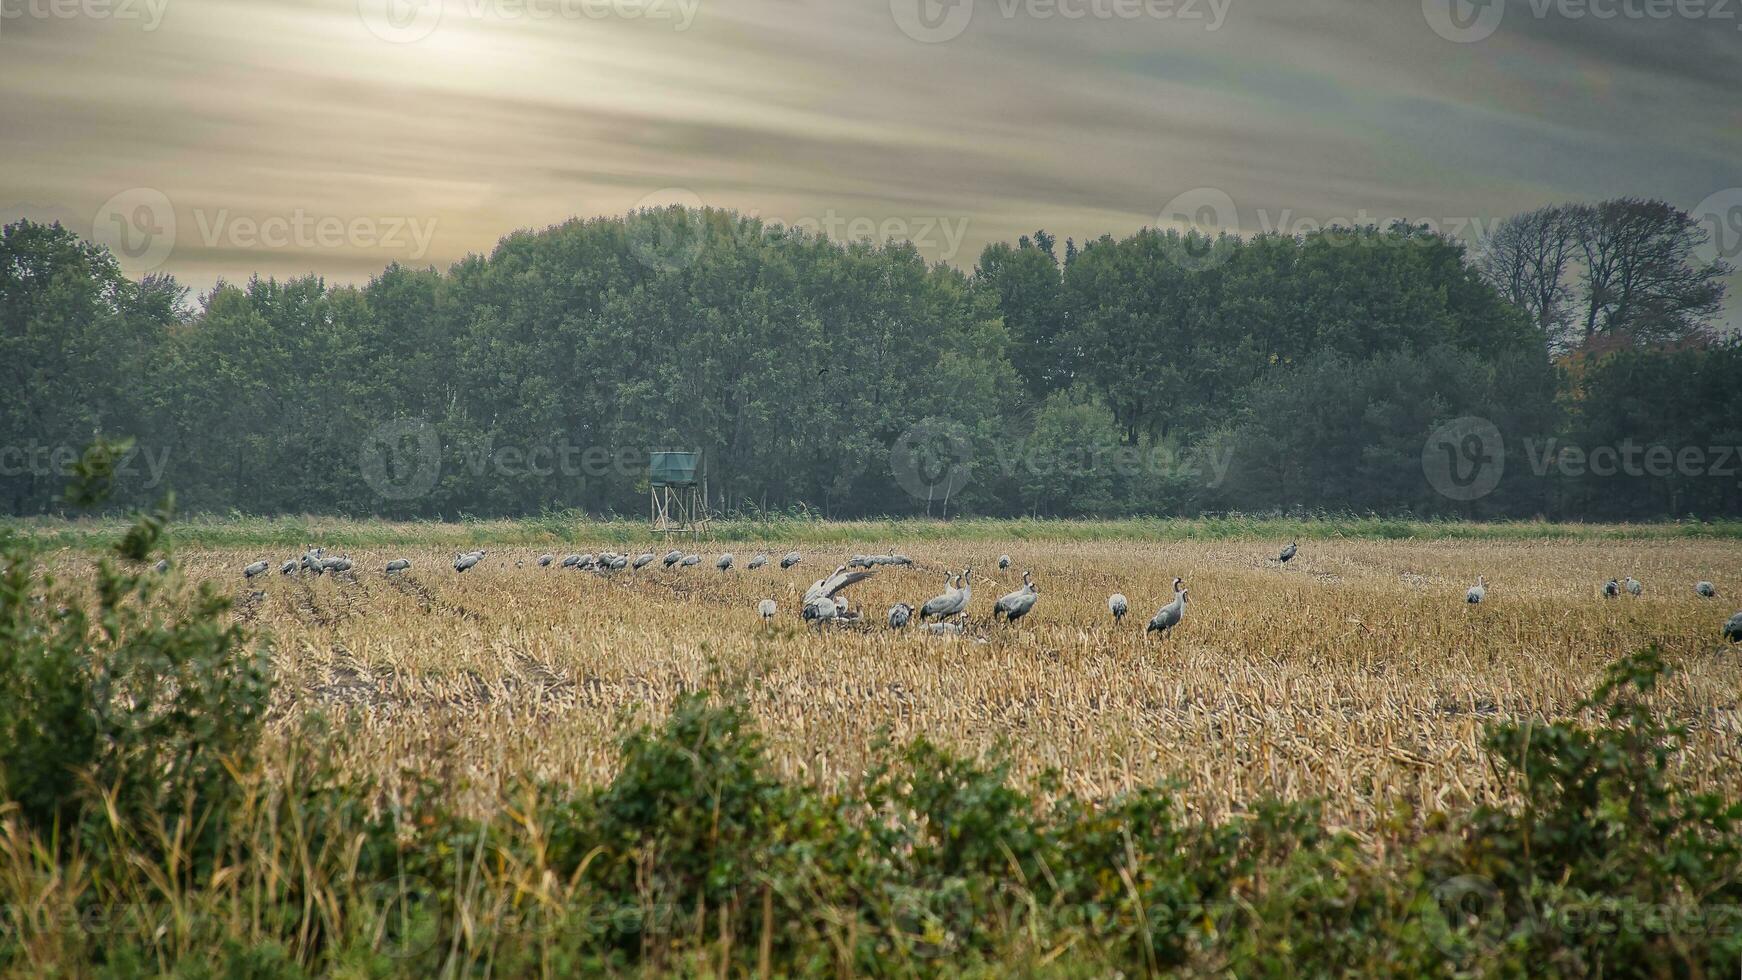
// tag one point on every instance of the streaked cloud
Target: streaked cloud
(520, 113)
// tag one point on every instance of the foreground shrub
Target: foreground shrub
(122, 724)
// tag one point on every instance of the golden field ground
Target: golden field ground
(1356, 674)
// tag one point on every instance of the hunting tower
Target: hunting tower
(677, 494)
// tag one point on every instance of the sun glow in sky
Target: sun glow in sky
(227, 137)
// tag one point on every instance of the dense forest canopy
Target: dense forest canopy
(1568, 370)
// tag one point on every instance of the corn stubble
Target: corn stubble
(1355, 675)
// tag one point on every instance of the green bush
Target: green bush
(122, 724)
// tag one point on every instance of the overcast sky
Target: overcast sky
(217, 138)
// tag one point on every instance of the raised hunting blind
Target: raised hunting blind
(677, 493)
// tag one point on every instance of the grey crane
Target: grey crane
(1477, 592)
(570, 561)
(757, 562)
(585, 561)
(832, 586)
(690, 561)
(1016, 605)
(162, 565)
(1168, 616)
(724, 562)
(397, 565)
(953, 602)
(311, 560)
(288, 568)
(820, 610)
(672, 557)
(545, 560)
(1633, 586)
(254, 569)
(1288, 552)
(467, 560)
(899, 614)
(1706, 590)
(1733, 629)
(643, 560)
(792, 558)
(1117, 605)
(1611, 589)
(1003, 562)
(767, 608)
(336, 565)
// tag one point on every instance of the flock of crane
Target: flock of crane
(824, 602)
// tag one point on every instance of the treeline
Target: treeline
(1155, 374)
